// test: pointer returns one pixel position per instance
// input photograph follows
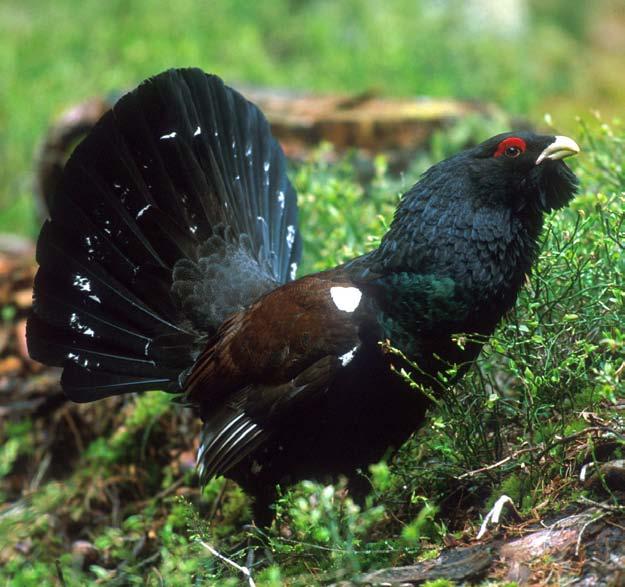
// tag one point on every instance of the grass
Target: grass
(521, 424)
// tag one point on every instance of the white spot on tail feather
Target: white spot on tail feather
(90, 244)
(171, 135)
(346, 299)
(293, 271)
(143, 211)
(290, 235)
(198, 131)
(348, 356)
(78, 326)
(82, 283)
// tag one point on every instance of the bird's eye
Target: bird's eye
(512, 152)
(511, 147)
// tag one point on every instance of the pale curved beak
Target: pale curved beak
(560, 148)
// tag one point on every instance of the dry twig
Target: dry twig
(244, 570)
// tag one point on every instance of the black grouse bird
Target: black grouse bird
(169, 262)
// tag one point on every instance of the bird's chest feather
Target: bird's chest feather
(439, 283)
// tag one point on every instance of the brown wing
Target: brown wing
(265, 360)
(275, 339)
(247, 419)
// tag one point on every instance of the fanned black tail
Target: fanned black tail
(174, 212)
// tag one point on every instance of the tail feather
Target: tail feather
(101, 384)
(96, 357)
(177, 200)
(70, 273)
(103, 330)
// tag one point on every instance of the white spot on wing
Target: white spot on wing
(239, 434)
(171, 135)
(348, 356)
(204, 448)
(293, 271)
(346, 299)
(281, 199)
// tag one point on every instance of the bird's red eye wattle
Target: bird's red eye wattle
(511, 147)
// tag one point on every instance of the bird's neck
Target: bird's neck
(486, 252)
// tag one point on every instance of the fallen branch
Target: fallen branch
(594, 519)
(503, 461)
(602, 505)
(542, 448)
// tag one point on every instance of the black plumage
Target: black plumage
(169, 263)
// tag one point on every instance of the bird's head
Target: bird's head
(523, 170)
(496, 191)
